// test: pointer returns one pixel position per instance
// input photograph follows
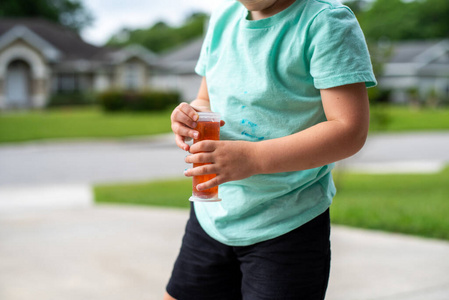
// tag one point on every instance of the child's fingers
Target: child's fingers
(185, 114)
(199, 158)
(184, 131)
(181, 117)
(204, 146)
(209, 184)
(180, 142)
(201, 170)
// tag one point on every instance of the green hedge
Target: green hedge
(376, 95)
(71, 99)
(153, 100)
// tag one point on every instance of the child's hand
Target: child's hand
(230, 160)
(183, 123)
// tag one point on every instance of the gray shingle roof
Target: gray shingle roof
(182, 60)
(67, 41)
(411, 51)
(189, 51)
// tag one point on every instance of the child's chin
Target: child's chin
(256, 5)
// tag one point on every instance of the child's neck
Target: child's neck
(277, 7)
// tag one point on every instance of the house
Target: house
(417, 69)
(39, 59)
(176, 70)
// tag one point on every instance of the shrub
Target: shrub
(149, 100)
(377, 95)
(111, 100)
(379, 118)
(70, 99)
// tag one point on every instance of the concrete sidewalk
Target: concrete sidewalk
(125, 252)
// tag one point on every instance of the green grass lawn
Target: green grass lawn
(165, 193)
(91, 122)
(401, 118)
(416, 204)
(87, 122)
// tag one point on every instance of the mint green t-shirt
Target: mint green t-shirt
(264, 78)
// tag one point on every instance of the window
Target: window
(67, 83)
(132, 76)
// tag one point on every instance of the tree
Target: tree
(435, 15)
(161, 36)
(357, 6)
(390, 19)
(70, 13)
(403, 20)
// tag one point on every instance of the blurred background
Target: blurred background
(92, 200)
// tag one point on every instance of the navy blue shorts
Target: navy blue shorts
(293, 266)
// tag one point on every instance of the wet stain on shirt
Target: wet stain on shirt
(250, 130)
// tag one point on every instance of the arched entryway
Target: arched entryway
(18, 84)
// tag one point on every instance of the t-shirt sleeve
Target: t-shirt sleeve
(337, 52)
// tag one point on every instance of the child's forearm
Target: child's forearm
(342, 135)
(316, 146)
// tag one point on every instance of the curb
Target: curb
(34, 198)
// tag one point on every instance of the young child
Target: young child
(289, 79)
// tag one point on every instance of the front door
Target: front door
(17, 85)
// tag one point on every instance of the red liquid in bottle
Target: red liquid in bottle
(208, 130)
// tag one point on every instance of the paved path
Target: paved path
(121, 253)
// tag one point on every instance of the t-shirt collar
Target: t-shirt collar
(267, 22)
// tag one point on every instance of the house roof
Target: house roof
(182, 60)
(410, 58)
(121, 55)
(417, 51)
(405, 52)
(68, 42)
(65, 47)
(21, 32)
(189, 51)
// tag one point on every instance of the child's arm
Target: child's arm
(342, 135)
(184, 116)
